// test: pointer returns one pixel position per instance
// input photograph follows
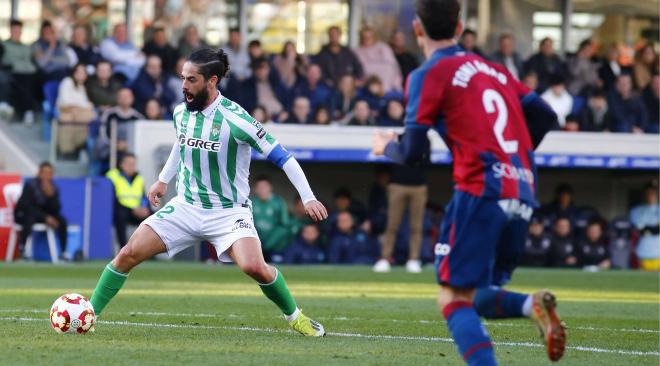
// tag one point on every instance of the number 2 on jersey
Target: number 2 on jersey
(493, 102)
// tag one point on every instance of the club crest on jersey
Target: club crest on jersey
(215, 130)
(196, 143)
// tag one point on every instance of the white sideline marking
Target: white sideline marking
(353, 335)
(343, 318)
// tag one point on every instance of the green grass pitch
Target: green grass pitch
(179, 313)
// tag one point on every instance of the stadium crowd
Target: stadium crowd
(96, 90)
(359, 86)
(561, 234)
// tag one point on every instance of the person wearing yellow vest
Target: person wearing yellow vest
(131, 205)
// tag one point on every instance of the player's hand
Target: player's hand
(381, 139)
(316, 210)
(156, 191)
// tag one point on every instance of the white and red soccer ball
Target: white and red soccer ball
(72, 313)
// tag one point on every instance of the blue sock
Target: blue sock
(469, 334)
(494, 302)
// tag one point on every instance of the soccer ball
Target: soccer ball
(72, 313)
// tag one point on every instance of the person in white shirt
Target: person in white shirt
(75, 112)
(126, 59)
(559, 99)
(377, 58)
(238, 56)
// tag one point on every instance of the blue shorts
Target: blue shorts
(481, 241)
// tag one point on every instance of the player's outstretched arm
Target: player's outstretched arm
(412, 147)
(250, 131)
(159, 188)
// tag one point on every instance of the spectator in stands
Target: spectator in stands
(40, 203)
(646, 218)
(620, 238)
(17, 59)
(153, 110)
(175, 84)
(596, 116)
(298, 218)
(582, 71)
(255, 51)
(611, 68)
(545, 64)
(344, 99)
(537, 245)
(271, 217)
(468, 41)
(377, 201)
(378, 59)
(126, 59)
(337, 60)
(593, 249)
(131, 206)
(190, 41)
(349, 244)
(301, 111)
(572, 123)
(260, 114)
(628, 110)
(562, 205)
(101, 87)
(361, 115)
(86, 52)
(406, 60)
(651, 98)
(238, 56)
(563, 251)
(313, 88)
(290, 65)
(506, 55)
(53, 56)
(306, 248)
(646, 61)
(117, 117)
(262, 88)
(373, 94)
(322, 116)
(406, 192)
(75, 112)
(150, 83)
(530, 80)
(393, 116)
(344, 201)
(159, 46)
(558, 98)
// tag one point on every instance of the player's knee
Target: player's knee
(447, 295)
(258, 271)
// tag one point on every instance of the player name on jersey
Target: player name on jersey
(467, 70)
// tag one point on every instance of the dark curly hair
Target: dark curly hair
(211, 62)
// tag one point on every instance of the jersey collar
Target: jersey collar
(447, 52)
(210, 110)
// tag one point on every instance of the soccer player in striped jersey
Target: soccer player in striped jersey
(492, 124)
(211, 161)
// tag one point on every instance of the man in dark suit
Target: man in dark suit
(507, 55)
(40, 203)
(545, 64)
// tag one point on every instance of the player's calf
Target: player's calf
(142, 245)
(471, 339)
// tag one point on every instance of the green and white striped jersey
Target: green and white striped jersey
(215, 151)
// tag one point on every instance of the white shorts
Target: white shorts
(181, 225)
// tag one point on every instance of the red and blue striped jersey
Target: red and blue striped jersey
(475, 105)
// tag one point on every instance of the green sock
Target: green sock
(110, 282)
(278, 292)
